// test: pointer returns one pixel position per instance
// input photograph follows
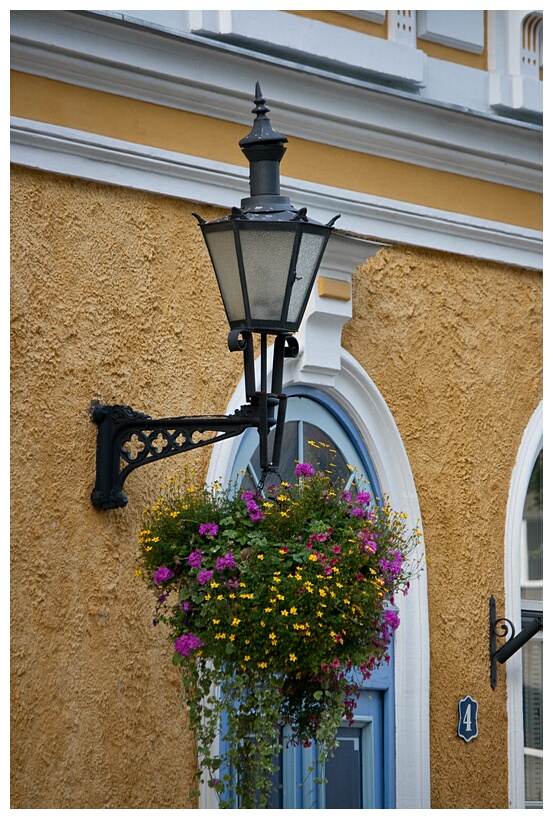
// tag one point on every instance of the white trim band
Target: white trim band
(103, 159)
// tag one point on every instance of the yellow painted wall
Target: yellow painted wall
(455, 349)
(113, 299)
(71, 106)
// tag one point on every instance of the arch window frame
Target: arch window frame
(530, 447)
(355, 395)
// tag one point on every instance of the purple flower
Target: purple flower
(392, 567)
(204, 576)
(187, 643)
(185, 606)
(305, 469)
(254, 511)
(346, 494)
(391, 618)
(208, 529)
(225, 562)
(195, 558)
(161, 575)
(363, 497)
(247, 495)
(358, 512)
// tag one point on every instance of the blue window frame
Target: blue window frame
(362, 772)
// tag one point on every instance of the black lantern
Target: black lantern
(266, 255)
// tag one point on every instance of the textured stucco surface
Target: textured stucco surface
(454, 345)
(113, 299)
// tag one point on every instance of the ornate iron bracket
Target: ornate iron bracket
(128, 439)
(502, 627)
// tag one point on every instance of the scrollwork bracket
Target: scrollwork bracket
(502, 627)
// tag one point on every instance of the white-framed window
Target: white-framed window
(357, 398)
(524, 602)
(361, 773)
(532, 653)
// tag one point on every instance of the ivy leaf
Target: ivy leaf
(317, 695)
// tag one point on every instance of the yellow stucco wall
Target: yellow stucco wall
(113, 298)
(455, 349)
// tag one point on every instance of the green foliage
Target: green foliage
(278, 606)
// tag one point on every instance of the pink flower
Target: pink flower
(204, 576)
(225, 562)
(187, 643)
(363, 497)
(161, 575)
(306, 470)
(391, 619)
(195, 558)
(208, 529)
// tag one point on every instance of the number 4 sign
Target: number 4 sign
(467, 728)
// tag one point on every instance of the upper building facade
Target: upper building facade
(420, 353)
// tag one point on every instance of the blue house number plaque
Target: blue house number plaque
(467, 728)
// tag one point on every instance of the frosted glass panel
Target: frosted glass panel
(308, 257)
(267, 255)
(223, 254)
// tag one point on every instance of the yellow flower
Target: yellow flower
(262, 665)
(235, 622)
(137, 572)
(293, 658)
(216, 622)
(293, 610)
(246, 658)
(261, 557)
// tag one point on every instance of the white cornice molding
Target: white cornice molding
(102, 159)
(216, 79)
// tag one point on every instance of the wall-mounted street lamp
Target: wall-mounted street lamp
(266, 255)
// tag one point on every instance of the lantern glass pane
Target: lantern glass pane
(267, 255)
(306, 267)
(223, 255)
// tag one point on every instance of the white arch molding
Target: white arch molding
(355, 392)
(531, 444)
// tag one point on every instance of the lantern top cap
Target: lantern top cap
(262, 131)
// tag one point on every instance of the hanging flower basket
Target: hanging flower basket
(278, 607)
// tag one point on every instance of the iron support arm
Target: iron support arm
(502, 627)
(128, 439)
